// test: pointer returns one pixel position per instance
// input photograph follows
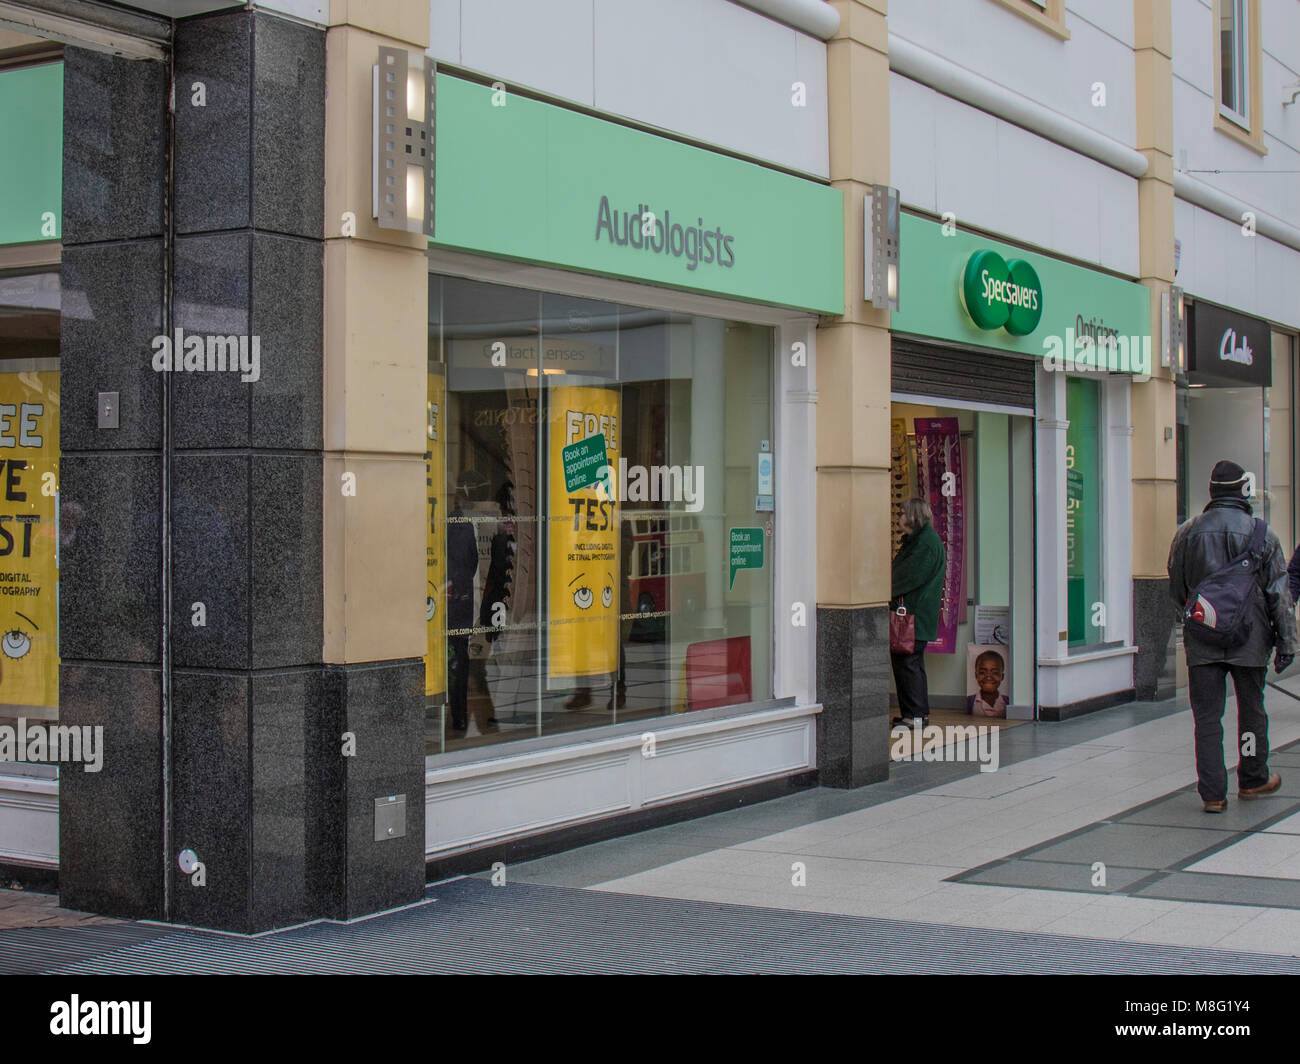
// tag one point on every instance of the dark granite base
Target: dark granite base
(853, 688)
(110, 821)
(1085, 706)
(245, 798)
(381, 706)
(1154, 617)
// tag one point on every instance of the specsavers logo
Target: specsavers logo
(1002, 294)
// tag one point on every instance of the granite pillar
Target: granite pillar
(240, 743)
(1154, 618)
(853, 687)
(110, 579)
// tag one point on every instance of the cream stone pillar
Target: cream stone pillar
(375, 380)
(376, 352)
(853, 373)
(1155, 473)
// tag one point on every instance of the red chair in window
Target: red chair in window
(718, 673)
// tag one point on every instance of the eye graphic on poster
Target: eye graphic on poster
(17, 643)
(988, 680)
(29, 575)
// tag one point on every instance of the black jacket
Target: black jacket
(1204, 545)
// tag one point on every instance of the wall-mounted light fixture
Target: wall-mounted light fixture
(1173, 330)
(402, 153)
(881, 247)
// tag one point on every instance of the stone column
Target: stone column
(114, 284)
(853, 456)
(1155, 473)
(376, 356)
(290, 696)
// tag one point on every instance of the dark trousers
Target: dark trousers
(458, 682)
(1206, 685)
(909, 678)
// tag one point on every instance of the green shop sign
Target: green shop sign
(978, 292)
(1001, 294)
(532, 181)
(31, 154)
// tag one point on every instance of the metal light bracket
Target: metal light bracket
(403, 92)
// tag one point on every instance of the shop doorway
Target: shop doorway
(974, 464)
(1222, 423)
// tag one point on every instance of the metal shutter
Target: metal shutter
(976, 376)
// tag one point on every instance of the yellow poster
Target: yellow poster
(584, 540)
(29, 574)
(435, 601)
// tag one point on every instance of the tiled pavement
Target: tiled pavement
(1171, 849)
(924, 849)
(1115, 787)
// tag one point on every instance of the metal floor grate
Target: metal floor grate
(472, 926)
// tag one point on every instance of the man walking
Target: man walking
(1203, 547)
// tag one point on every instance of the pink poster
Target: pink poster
(940, 482)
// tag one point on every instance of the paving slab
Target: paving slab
(1131, 845)
(1226, 890)
(1050, 875)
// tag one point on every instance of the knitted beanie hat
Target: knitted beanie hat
(1227, 481)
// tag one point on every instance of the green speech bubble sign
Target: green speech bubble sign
(745, 551)
(583, 462)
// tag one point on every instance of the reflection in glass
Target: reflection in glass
(590, 463)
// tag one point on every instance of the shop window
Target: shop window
(30, 520)
(589, 467)
(1083, 522)
(1237, 69)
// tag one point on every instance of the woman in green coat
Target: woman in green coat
(917, 579)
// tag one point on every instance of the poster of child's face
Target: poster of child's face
(988, 680)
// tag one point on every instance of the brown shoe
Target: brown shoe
(1216, 807)
(1274, 782)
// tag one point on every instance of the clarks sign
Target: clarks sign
(1228, 348)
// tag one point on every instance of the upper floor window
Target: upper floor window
(1234, 61)
(1046, 14)
(1238, 61)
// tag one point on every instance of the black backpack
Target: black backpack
(1217, 610)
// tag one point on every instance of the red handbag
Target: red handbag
(902, 631)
